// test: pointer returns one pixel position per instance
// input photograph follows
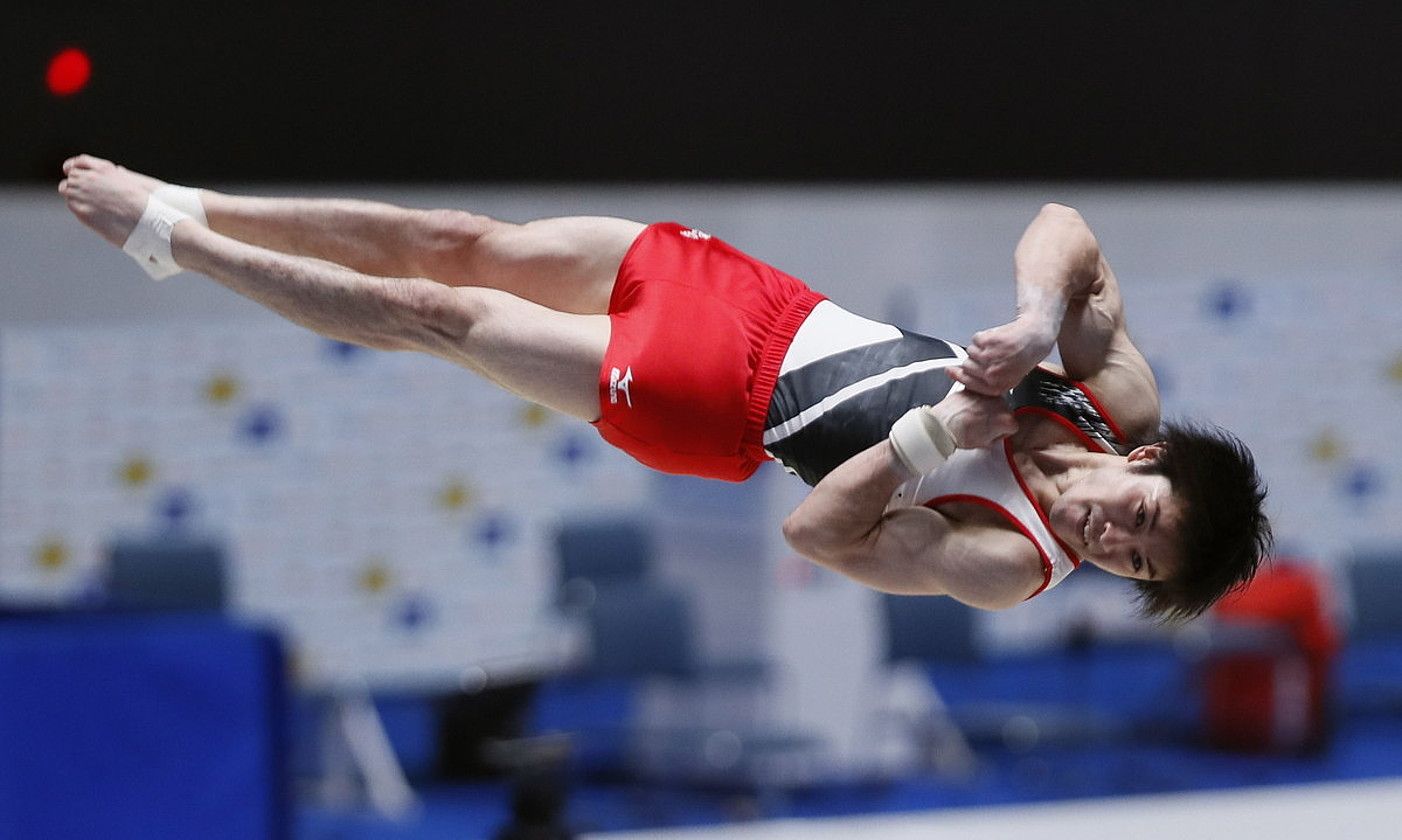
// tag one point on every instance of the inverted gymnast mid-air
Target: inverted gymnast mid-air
(983, 473)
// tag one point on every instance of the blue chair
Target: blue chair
(928, 629)
(1375, 587)
(600, 552)
(1371, 661)
(609, 548)
(639, 631)
(1015, 701)
(171, 573)
(926, 633)
(642, 637)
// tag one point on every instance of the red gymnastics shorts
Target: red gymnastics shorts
(699, 331)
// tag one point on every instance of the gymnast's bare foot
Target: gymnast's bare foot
(105, 197)
(149, 183)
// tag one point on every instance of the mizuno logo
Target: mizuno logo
(618, 383)
(693, 233)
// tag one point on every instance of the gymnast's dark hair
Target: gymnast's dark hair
(1224, 534)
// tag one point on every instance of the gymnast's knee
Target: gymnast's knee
(446, 241)
(433, 318)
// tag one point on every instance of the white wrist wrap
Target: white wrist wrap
(185, 199)
(921, 441)
(149, 242)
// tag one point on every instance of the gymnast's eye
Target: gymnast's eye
(1139, 517)
(1138, 562)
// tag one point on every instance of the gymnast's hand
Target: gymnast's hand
(1057, 260)
(975, 420)
(1000, 357)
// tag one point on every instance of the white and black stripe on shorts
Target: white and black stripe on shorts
(844, 381)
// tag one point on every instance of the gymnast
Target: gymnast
(985, 472)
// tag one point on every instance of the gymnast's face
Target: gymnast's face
(1122, 518)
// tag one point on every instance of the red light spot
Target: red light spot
(68, 72)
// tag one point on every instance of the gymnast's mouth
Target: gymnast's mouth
(1085, 529)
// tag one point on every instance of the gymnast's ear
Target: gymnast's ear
(1147, 454)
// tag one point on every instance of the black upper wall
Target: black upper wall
(430, 90)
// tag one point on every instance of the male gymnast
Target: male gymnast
(986, 473)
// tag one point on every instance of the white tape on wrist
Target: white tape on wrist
(921, 441)
(185, 199)
(149, 242)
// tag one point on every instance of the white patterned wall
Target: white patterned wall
(1308, 371)
(393, 513)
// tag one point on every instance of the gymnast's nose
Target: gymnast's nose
(1114, 537)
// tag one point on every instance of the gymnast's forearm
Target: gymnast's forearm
(328, 299)
(1057, 259)
(844, 511)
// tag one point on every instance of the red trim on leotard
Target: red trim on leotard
(1109, 421)
(1016, 523)
(1084, 438)
(1090, 395)
(1041, 514)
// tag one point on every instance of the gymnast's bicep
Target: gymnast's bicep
(1096, 348)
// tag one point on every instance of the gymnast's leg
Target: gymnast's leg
(542, 354)
(566, 264)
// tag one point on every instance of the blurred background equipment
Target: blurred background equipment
(1269, 680)
(142, 725)
(171, 572)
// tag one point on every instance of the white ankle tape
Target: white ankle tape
(921, 441)
(185, 199)
(149, 242)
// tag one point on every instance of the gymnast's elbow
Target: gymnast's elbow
(798, 533)
(818, 543)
